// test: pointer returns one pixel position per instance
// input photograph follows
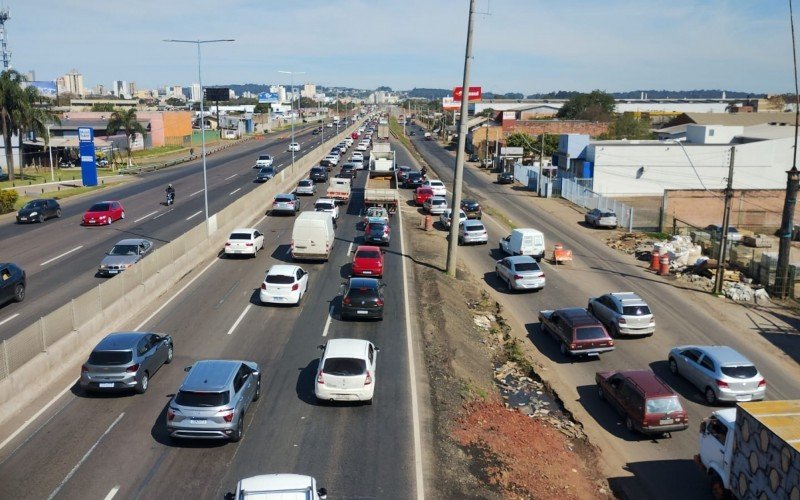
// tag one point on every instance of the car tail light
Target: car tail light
(518, 277)
(295, 287)
(379, 302)
(320, 380)
(346, 300)
(84, 369)
(248, 244)
(722, 384)
(368, 380)
(610, 342)
(133, 368)
(263, 286)
(227, 415)
(170, 414)
(573, 345)
(762, 382)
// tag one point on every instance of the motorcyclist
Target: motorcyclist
(170, 192)
(424, 172)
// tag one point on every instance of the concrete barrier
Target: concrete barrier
(57, 344)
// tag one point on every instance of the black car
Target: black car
(472, 208)
(505, 178)
(377, 232)
(315, 132)
(348, 171)
(265, 174)
(12, 283)
(39, 210)
(318, 174)
(413, 180)
(402, 171)
(363, 298)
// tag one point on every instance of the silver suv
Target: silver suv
(623, 313)
(125, 360)
(213, 399)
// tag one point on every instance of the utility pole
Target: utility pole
(455, 207)
(726, 215)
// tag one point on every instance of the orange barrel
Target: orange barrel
(664, 269)
(428, 223)
(654, 260)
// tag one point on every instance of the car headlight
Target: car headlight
(103, 266)
(34, 214)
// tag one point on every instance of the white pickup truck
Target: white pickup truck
(263, 161)
(339, 189)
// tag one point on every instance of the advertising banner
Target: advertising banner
(475, 94)
(266, 97)
(88, 157)
(46, 89)
(448, 104)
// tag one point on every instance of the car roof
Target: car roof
(305, 180)
(339, 348)
(367, 247)
(722, 354)
(434, 198)
(243, 230)
(469, 201)
(282, 270)
(290, 195)
(435, 181)
(364, 283)
(579, 316)
(285, 486)
(119, 341)
(377, 220)
(131, 241)
(212, 375)
(472, 222)
(648, 382)
(324, 200)
(628, 298)
(424, 189)
(520, 259)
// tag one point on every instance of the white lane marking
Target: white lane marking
(327, 322)
(350, 248)
(145, 216)
(411, 371)
(163, 214)
(74, 469)
(36, 415)
(6, 321)
(230, 177)
(112, 493)
(165, 304)
(195, 214)
(239, 319)
(61, 255)
(196, 192)
(280, 165)
(234, 191)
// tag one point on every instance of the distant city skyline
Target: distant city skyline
(533, 47)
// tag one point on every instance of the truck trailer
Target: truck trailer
(381, 191)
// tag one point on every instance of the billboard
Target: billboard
(266, 97)
(448, 104)
(217, 93)
(45, 88)
(475, 94)
(88, 158)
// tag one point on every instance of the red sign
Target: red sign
(475, 94)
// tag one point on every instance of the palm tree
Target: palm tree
(14, 107)
(125, 120)
(36, 118)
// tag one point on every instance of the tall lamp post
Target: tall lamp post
(292, 73)
(202, 116)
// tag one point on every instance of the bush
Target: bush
(8, 198)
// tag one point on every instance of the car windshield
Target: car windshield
(283, 199)
(471, 205)
(527, 266)
(267, 170)
(663, 405)
(414, 175)
(344, 366)
(100, 207)
(324, 206)
(368, 254)
(746, 371)
(608, 214)
(475, 227)
(590, 333)
(306, 183)
(263, 157)
(641, 310)
(240, 236)
(279, 279)
(33, 204)
(124, 250)
(111, 358)
(376, 227)
(361, 292)
(202, 399)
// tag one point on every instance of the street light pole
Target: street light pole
(455, 208)
(291, 103)
(202, 117)
(50, 148)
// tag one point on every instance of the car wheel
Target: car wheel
(368, 402)
(122, 215)
(299, 299)
(144, 382)
(19, 292)
(600, 394)
(170, 354)
(711, 396)
(41, 218)
(629, 424)
(258, 390)
(718, 487)
(673, 366)
(509, 286)
(564, 349)
(58, 213)
(460, 241)
(237, 434)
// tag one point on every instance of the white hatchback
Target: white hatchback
(357, 156)
(362, 146)
(346, 371)
(327, 205)
(294, 146)
(244, 241)
(437, 186)
(284, 284)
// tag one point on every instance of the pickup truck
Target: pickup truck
(339, 189)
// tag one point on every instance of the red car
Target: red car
(368, 261)
(354, 135)
(103, 213)
(422, 194)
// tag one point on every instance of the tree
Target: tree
(521, 140)
(488, 113)
(16, 112)
(533, 145)
(595, 106)
(262, 107)
(628, 126)
(103, 106)
(175, 101)
(307, 103)
(125, 121)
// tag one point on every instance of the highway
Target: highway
(60, 257)
(116, 445)
(637, 466)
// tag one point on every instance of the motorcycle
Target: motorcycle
(170, 198)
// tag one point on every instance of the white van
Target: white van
(524, 241)
(312, 236)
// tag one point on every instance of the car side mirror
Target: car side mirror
(322, 493)
(703, 426)
(321, 347)
(377, 349)
(187, 368)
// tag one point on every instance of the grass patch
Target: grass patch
(471, 392)
(162, 150)
(32, 177)
(397, 130)
(502, 218)
(58, 195)
(658, 236)
(512, 349)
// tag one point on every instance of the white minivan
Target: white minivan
(312, 236)
(524, 241)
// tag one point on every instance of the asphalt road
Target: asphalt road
(60, 257)
(92, 447)
(642, 467)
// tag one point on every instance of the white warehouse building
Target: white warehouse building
(645, 168)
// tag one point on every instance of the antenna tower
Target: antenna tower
(4, 52)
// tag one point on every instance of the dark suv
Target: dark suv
(576, 331)
(413, 180)
(472, 208)
(648, 404)
(318, 174)
(363, 298)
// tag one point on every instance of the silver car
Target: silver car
(623, 313)
(720, 372)
(600, 218)
(212, 401)
(472, 231)
(285, 203)
(125, 360)
(520, 272)
(306, 187)
(124, 254)
(435, 205)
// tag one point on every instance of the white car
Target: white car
(445, 217)
(357, 163)
(329, 125)
(279, 486)
(244, 241)
(327, 205)
(357, 156)
(333, 159)
(362, 146)
(436, 186)
(263, 161)
(295, 146)
(346, 371)
(306, 187)
(349, 141)
(284, 284)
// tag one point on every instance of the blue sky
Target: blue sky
(519, 45)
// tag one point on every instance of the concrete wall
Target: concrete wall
(538, 127)
(57, 344)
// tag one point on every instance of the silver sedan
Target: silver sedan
(472, 231)
(520, 272)
(601, 218)
(124, 254)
